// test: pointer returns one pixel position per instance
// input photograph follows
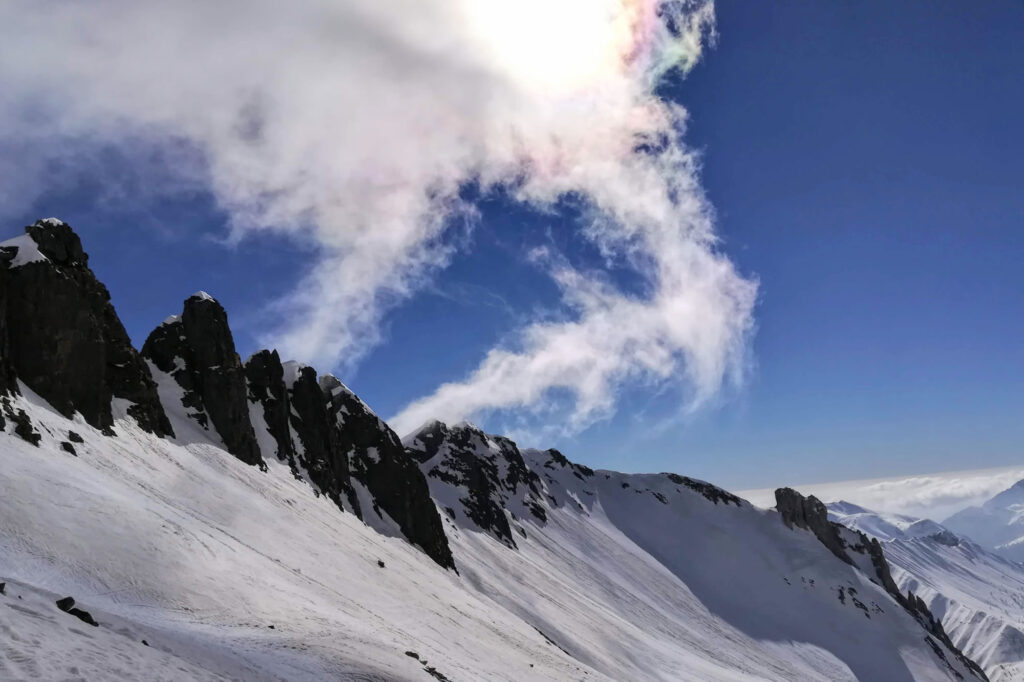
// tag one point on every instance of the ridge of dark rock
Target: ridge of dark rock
(378, 460)
(490, 469)
(811, 514)
(75, 353)
(320, 454)
(198, 351)
(265, 376)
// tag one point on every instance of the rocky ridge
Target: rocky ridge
(76, 355)
(854, 547)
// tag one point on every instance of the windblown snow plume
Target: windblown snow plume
(354, 125)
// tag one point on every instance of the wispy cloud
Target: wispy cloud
(353, 125)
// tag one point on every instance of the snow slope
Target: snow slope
(630, 577)
(998, 524)
(978, 595)
(884, 526)
(255, 522)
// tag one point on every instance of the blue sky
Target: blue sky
(865, 162)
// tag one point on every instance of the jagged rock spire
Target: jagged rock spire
(198, 350)
(60, 334)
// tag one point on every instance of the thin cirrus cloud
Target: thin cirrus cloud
(352, 125)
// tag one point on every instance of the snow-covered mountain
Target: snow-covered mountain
(884, 526)
(221, 519)
(978, 595)
(998, 524)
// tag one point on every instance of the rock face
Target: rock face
(265, 376)
(322, 428)
(197, 349)
(60, 335)
(320, 453)
(811, 514)
(487, 474)
(850, 545)
(378, 460)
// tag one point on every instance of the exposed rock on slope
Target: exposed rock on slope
(61, 335)
(378, 461)
(485, 474)
(320, 454)
(812, 514)
(564, 572)
(197, 349)
(265, 377)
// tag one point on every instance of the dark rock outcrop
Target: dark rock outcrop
(490, 469)
(67, 605)
(708, 490)
(811, 514)
(60, 335)
(198, 351)
(378, 460)
(265, 377)
(321, 454)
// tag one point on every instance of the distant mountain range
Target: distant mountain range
(977, 591)
(214, 518)
(998, 524)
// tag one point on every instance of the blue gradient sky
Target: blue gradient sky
(866, 161)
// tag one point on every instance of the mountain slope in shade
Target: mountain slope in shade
(978, 595)
(998, 524)
(298, 538)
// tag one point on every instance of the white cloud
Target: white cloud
(353, 125)
(934, 496)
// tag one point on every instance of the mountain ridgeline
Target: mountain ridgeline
(567, 554)
(75, 354)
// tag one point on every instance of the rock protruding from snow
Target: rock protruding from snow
(265, 375)
(320, 453)
(323, 430)
(199, 352)
(811, 514)
(866, 553)
(484, 475)
(60, 335)
(378, 460)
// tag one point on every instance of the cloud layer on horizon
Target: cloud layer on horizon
(934, 496)
(353, 126)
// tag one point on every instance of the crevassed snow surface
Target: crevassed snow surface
(632, 578)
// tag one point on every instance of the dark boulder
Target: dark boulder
(60, 335)
(23, 426)
(67, 605)
(198, 351)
